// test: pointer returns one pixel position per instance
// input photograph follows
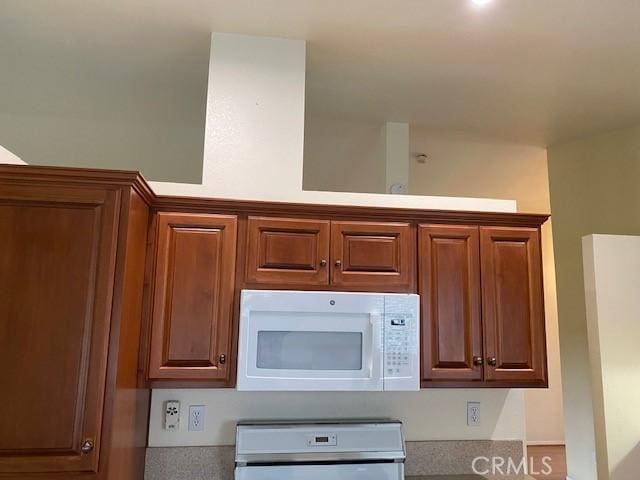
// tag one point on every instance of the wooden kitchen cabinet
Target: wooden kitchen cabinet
(374, 255)
(86, 255)
(512, 301)
(451, 329)
(309, 253)
(191, 329)
(284, 251)
(482, 306)
(71, 276)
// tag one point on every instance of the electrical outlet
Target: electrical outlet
(171, 415)
(473, 414)
(196, 418)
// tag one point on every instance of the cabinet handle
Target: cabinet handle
(323, 263)
(492, 361)
(338, 263)
(478, 361)
(223, 359)
(87, 446)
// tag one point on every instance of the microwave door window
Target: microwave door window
(309, 350)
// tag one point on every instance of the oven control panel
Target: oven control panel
(322, 440)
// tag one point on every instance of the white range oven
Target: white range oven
(312, 340)
(320, 450)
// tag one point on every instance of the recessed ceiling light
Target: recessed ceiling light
(480, 3)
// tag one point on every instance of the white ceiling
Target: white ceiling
(532, 71)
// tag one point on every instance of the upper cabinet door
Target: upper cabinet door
(285, 251)
(512, 296)
(57, 260)
(379, 256)
(193, 297)
(449, 287)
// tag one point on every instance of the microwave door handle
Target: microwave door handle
(377, 347)
(378, 333)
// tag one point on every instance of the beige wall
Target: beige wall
(437, 414)
(594, 189)
(94, 111)
(345, 155)
(255, 135)
(612, 289)
(161, 151)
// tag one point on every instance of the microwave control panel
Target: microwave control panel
(401, 340)
(397, 350)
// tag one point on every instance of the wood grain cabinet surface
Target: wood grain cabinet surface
(193, 296)
(377, 255)
(343, 255)
(450, 302)
(284, 251)
(71, 276)
(512, 299)
(76, 245)
(482, 306)
(52, 245)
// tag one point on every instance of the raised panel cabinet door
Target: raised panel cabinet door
(285, 251)
(449, 287)
(373, 255)
(193, 297)
(57, 260)
(512, 299)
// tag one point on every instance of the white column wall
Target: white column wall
(396, 142)
(612, 293)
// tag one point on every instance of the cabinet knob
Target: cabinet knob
(223, 359)
(338, 263)
(478, 361)
(87, 446)
(323, 263)
(492, 361)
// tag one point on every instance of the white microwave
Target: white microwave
(298, 340)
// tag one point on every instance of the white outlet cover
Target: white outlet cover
(473, 414)
(196, 418)
(171, 415)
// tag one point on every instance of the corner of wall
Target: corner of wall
(10, 158)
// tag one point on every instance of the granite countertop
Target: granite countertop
(209, 463)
